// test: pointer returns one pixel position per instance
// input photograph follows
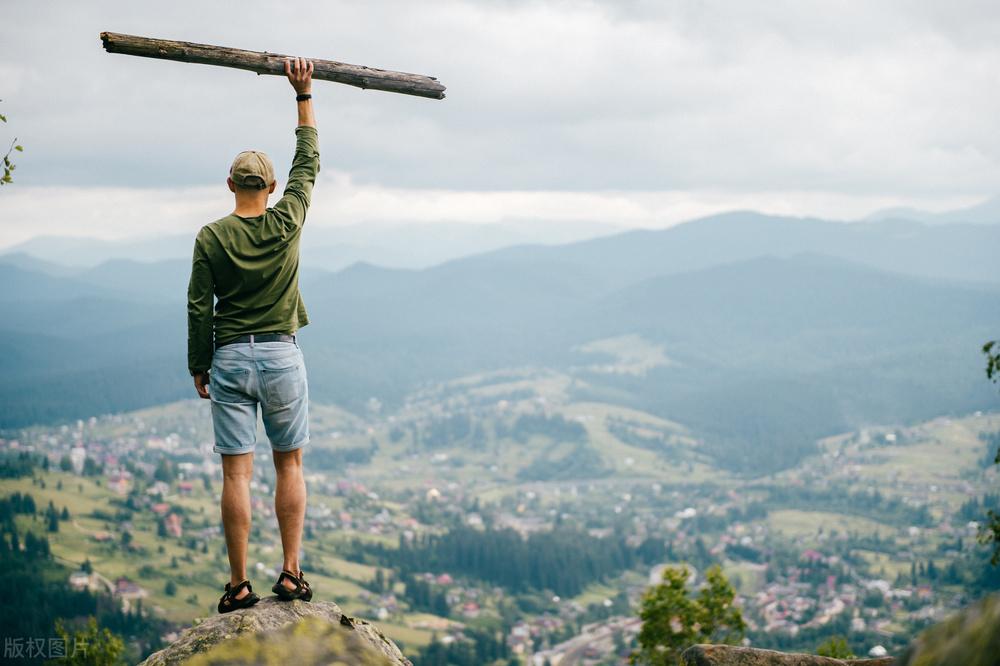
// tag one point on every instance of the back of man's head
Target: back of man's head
(252, 170)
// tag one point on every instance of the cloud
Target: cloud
(873, 100)
(131, 212)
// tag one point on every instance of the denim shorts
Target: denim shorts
(272, 374)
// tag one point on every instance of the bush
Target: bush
(673, 619)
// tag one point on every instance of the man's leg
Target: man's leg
(290, 506)
(237, 471)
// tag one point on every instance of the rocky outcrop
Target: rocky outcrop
(971, 637)
(277, 632)
(729, 655)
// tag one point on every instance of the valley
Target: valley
(871, 537)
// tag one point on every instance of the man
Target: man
(245, 353)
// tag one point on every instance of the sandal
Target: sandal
(301, 591)
(230, 602)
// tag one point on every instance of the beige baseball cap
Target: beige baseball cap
(253, 170)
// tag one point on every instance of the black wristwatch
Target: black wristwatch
(303, 97)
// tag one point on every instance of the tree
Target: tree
(836, 647)
(674, 619)
(90, 646)
(8, 163)
(989, 533)
(52, 516)
(170, 589)
(164, 471)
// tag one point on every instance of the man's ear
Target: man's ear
(231, 184)
(273, 185)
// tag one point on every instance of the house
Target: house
(173, 524)
(161, 508)
(119, 482)
(812, 555)
(79, 580)
(127, 589)
(158, 488)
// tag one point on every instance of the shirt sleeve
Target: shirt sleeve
(294, 201)
(201, 291)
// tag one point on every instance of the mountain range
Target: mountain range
(779, 331)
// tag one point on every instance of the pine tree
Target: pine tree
(673, 619)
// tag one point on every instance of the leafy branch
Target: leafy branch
(8, 163)
(992, 351)
(990, 532)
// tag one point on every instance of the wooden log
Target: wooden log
(273, 63)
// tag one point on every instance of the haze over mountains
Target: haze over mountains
(778, 331)
(329, 248)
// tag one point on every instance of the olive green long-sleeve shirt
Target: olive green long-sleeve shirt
(250, 265)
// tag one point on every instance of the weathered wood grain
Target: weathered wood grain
(273, 63)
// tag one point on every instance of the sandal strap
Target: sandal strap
(298, 582)
(231, 591)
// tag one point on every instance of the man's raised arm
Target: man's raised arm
(299, 73)
(305, 164)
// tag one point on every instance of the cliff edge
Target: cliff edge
(729, 655)
(279, 632)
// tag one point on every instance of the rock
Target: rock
(729, 655)
(970, 637)
(280, 632)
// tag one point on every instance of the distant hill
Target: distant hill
(325, 247)
(987, 212)
(954, 252)
(779, 331)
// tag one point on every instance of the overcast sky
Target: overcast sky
(631, 113)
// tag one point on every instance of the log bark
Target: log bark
(273, 63)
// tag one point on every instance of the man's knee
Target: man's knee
(237, 469)
(288, 460)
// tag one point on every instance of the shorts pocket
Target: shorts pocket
(228, 384)
(284, 380)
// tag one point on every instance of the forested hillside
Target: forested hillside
(770, 332)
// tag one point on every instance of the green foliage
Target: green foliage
(8, 163)
(478, 646)
(17, 464)
(969, 637)
(989, 533)
(563, 561)
(581, 462)
(836, 647)
(90, 646)
(992, 351)
(673, 618)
